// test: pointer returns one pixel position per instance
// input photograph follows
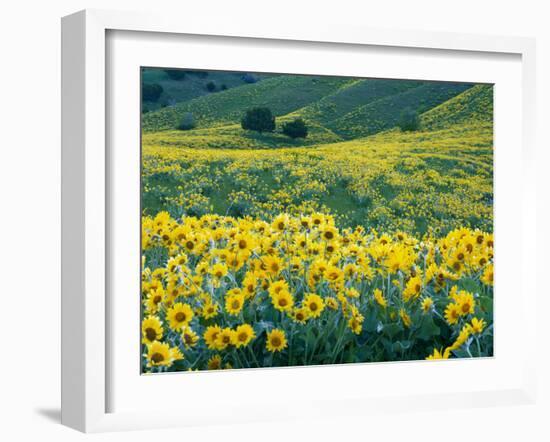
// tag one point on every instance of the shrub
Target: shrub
(151, 91)
(187, 122)
(295, 129)
(409, 120)
(249, 78)
(175, 74)
(223, 87)
(210, 86)
(259, 119)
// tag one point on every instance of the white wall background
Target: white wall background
(30, 214)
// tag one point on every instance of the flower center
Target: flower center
(276, 341)
(151, 334)
(180, 316)
(157, 357)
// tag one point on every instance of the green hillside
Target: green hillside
(351, 96)
(282, 94)
(385, 112)
(192, 85)
(473, 106)
(335, 109)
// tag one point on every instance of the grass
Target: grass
(283, 94)
(192, 86)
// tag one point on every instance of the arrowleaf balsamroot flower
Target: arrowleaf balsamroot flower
(276, 340)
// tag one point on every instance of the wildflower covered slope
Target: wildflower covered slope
(358, 243)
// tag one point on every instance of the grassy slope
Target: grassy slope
(384, 113)
(351, 96)
(369, 106)
(192, 86)
(475, 106)
(283, 94)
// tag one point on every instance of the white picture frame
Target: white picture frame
(85, 234)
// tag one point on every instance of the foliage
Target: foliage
(210, 86)
(187, 122)
(409, 121)
(295, 129)
(151, 92)
(259, 119)
(249, 78)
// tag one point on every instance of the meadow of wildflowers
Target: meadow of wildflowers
(343, 247)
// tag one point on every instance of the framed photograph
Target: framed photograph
(322, 216)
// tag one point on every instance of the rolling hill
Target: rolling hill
(474, 106)
(335, 109)
(283, 94)
(191, 84)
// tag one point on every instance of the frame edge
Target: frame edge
(73, 361)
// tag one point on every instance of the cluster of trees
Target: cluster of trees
(260, 119)
(212, 87)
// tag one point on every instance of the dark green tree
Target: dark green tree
(210, 86)
(187, 122)
(151, 91)
(409, 120)
(249, 78)
(259, 119)
(295, 129)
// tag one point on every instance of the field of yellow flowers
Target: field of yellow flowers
(281, 278)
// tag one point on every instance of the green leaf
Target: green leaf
(428, 329)
(391, 330)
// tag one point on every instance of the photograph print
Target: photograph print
(297, 220)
